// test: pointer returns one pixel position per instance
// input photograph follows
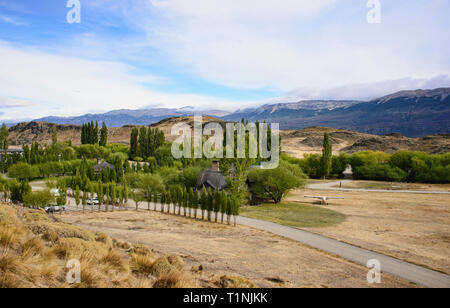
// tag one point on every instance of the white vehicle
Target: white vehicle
(54, 209)
(93, 201)
(323, 199)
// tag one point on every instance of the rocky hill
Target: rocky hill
(294, 142)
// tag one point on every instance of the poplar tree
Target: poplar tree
(149, 199)
(103, 135)
(4, 138)
(163, 200)
(195, 203)
(84, 200)
(54, 139)
(99, 196)
(169, 201)
(217, 203)
(77, 196)
(185, 201)
(155, 199)
(204, 202)
(134, 142)
(229, 209)
(223, 207)
(191, 201)
(107, 199)
(210, 204)
(113, 195)
(120, 195)
(143, 143)
(327, 156)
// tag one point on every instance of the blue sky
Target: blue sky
(213, 54)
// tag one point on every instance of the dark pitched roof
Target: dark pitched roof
(213, 179)
(102, 166)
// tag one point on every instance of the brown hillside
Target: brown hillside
(294, 142)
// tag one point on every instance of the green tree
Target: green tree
(39, 198)
(223, 207)
(4, 138)
(54, 138)
(77, 196)
(204, 202)
(273, 184)
(143, 143)
(217, 203)
(155, 199)
(103, 135)
(327, 156)
(84, 200)
(134, 142)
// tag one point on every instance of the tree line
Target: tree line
(90, 134)
(145, 142)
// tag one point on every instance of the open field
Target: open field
(294, 215)
(395, 186)
(266, 259)
(411, 227)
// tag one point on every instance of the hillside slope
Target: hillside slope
(294, 142)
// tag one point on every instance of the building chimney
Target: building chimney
(215, 166)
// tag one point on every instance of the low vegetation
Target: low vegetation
(294, 215)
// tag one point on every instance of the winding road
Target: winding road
(332, 186)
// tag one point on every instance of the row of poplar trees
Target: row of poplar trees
(180, 201)
(144, 142)
(108, 195)
(89, 134)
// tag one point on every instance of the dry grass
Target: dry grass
(231, 282)
(34, 251)
(161, 266)
(411, 227)
(141, 264)
(174, 279)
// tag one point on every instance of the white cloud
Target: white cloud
(366, 91)
(10, 102)
(283, 45)
(12, 20)
(62, 85)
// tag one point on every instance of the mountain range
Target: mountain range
(413, 113)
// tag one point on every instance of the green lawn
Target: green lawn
(294, 215)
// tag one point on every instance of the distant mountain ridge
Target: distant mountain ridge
(413, 113)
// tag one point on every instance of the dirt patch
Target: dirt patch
(265, 259)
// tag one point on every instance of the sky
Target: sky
(214, 54)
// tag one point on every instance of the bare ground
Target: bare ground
(411, 227)
(266, 259)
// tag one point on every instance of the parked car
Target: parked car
(93, 201)
(54, 209)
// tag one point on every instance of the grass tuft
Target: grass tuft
(232, 282)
